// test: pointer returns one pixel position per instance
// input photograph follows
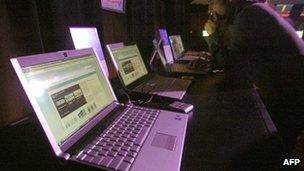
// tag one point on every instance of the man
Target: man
(263, 49)
(216, 39)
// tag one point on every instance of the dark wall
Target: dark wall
(40, 26)
(198, 17)
(20, 35)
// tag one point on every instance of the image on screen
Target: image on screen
(177, 46)
(130, 63)
(69, 93)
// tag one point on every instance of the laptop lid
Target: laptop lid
(163, 34)
(69, 92)
(129, 64)
(87, 37)
(177, 46)
(160, 52)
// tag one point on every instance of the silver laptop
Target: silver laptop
(179, 52)
(135, 76)
(84, 123)
(179, 68)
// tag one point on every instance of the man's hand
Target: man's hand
(210, 27)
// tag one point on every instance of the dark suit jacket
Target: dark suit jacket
(265, 50)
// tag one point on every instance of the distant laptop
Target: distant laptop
(87, 37)
(179, 52)
(178, 68)
(84, 123)
(134, 75)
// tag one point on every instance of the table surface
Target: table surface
(228, 130)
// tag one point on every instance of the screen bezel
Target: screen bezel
(115, 10)
(26, 61)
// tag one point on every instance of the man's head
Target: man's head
(221, 7)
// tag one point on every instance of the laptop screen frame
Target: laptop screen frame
(27, 61)
(134, 84)
(176, 57)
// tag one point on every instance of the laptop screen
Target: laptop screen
(130, 63)
(177, 46)
(69, 93)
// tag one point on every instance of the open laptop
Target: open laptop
(84, 123)
(178, 68)
(135, 76)
(179, 52)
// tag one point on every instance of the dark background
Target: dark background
(39, 26)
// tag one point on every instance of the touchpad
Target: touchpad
(164, 141)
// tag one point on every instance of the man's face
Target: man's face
(219, 7)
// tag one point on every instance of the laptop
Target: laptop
(135, 76)
(178, 68)
(179, 52)
(84, 123)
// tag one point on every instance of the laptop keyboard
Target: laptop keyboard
(118, 146)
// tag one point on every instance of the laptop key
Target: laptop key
(93, 153)
(105, 139)
(142, 136)
(123, 139)
(97, 159)
(129, 159)
(109, 135)
(124, 166)
(132, 154)
(112, 153)
(115, 148)
(88, 158)
(87, 150)
(96, 148)
(135, 148)
(128, 143)
(106, 161)
(103, 152)
(133, 135)
(116, 162)
(125, 148)
(114, 139)
(107, 148)
(131, 139)
(118, 144)
(102, 144)
(123, 153)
